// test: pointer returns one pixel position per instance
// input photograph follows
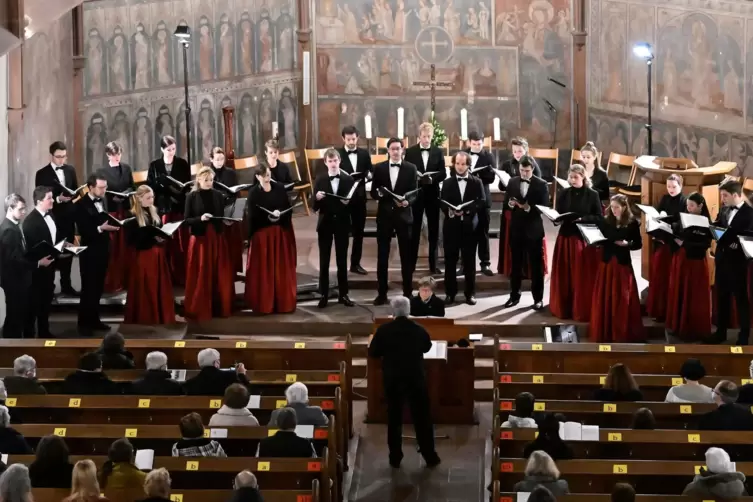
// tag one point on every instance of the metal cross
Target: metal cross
(433, 84)
(434, 44)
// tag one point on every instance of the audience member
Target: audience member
(3, 393)
(541, 470)
(541, 494)
(11, 441)
(84, 485)
(157, 486)
(523, 418)
(549, 440)
(692, 391)
(297, 396)
(114, 355)
(211, 380)
(619, 386)
(157, 380)
(717, 479)
(234, 409)
(51, 467)
(623, 492)
(246, 488)
(24, 378)
(119, 471)
(15, 485)
(746, 390)
(285, 442)
(426, 304)
(643, 418)
(193, 443)
(89, 379)
(728, 416)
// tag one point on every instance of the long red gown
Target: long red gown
(689, 298)
(176, 249)
(119, 259)
(658, 287)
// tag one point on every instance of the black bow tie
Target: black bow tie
(97, 199)
(426, 149)
(335, 177)
(350, 152)
(56, 168)
(465, 178)
(474, 153)
(525, 181)
(394, 165)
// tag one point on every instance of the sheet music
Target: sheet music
(460, 207)
(305, 431)
(654, 225)
(428, 173)
(503, 176)
(218, 433)
(60, 245)
(76, 250)
(747, 245)
(589, 433)
(650, 211)
(591, 233)
(550, 213)
(254, 402)
(522, 496)
(144, 459)
(694, 220)
(178, 375)
(5, 458)
(438, 350)
(170, 228)
(477, 169)
(562, 182)
(353, 190)
(570, 431)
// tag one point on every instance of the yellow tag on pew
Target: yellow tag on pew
(537, 346)
(669, 348)
(145, 403)
(74, 402)
(176, 497)
(602, 380)
(539, 406)
(291, 378)
(10, 402)
(538, 378)
(207, 433)
(614, 436)
(50, 343)
(179, 345)
(240, 345)
(605, 348)
(215, 403)
(192, 465)
(300, 345)
(686, 409)
(736, 350)
(619, 469)
(60, 431)
(131, 433)
(610, 408)
(746, 381)
(694, 438)
(280, 403)
(262, 466)
(698, 468)
(271, 432)
(677, 381)
(536, 434)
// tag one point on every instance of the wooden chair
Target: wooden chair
(575, 157)
(196, 168)
(246, 163)
(139, 177)
(549, 154)
(378, 158)
(312, 156)
(462, 144)
(304, 187)
(616, 166)
(381, 144)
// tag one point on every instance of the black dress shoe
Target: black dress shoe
(715, 339)
(323, 302)
(741, 342)
(470, 300)
(486, 270)
(449, 300)
(512, 302)
(345, 300)
(436, 271)
(380, 300)
(358, 269)
(395, 463)
(460, 271)
(69, 291)
(433, 461)
(538, 306)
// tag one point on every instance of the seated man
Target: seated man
(728, 416)
(113, 352)
(193, 443)
(297, 396)
(157, 380)
(211, 380)
(426, 304)
(24, 378)
(285, 442)
(89, 379)
(245, 488)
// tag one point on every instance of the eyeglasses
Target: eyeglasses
(60, 156)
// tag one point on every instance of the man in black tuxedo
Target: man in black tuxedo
(482, 158)
(16, 269)
(460, 230)
(356, 162)
(333, 224)
(40, 226)
(56, 175)
(729, 260)
(524, 193)
(91, 219)
(394, 215)
(427, 159)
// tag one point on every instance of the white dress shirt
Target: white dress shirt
(20, 228)
(524, 186)
(47, 217)
(59, 173)
(733, 212)
(353, 157)
(394, 171)
(424, 155)
(462, 184)
(100, 207)
(335, 183)
(474, 159)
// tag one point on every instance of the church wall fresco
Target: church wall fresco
(703, 108)
(242, 53)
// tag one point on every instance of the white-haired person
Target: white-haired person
(297, 396)
(15, 484)
(157, 379)
(157, 486)
(234, 410)
(717, 479)
(212, 380)
(541, 470)
(245, 488)
(11, 441)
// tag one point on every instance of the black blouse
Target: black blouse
(276, 198)
(582, 201)
(600, 183)
(227, 177)
(141, 238)
(279, 173)
(630, 233)
(199, 202)
(695, 241)
(673, 206)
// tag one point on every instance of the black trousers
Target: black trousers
(64, 266)
(429, 206)
(93, 273)
(417, 396)
(385, 227)
(17, 306)
(325, 238)
(525, 251)
(732, 281)
(42, 292)
(358, 223)
(454, 242)
(484, 219)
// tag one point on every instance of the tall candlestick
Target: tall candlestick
(497, 131)
(275, 130)
(400, 123)
(464, 124)
(367, 126)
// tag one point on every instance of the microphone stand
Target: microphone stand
(574, 138)
(553, 110)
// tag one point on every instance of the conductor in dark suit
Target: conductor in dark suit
(427, 159)
(356, 162)
(401, 345)
(91, 220)
(55, 175)
(729, 260)
(524, 193)
(393, 215)
(482, 158)
(333, 225)
(461, 228)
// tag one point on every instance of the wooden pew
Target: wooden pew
(498, 496)
(312, 495)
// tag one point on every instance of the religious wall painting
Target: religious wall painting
(95, 77)
(267, 115)
(641, 22)
(96, 139)
(226, 101)
(705, 146)
(204, 49)
(164, 124)
(246, 117)
(182, 138)
(285, 40)
(467, 22)
(162, 52)
(225, 47)
(140, 58)
(118, 61)
(287, 119)
(142, 141)
(749, 66)
(610, 133)
(245, 45)
(120, 132)
(265, 43)
(206, 128)
(741, 152)
(613, 53)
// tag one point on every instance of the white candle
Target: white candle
(497, 131)
(367, 126)
(464, 124)
(400, 122)
(275, 130)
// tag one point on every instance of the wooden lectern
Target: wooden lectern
(656, 170)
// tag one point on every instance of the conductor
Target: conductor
(401, 344)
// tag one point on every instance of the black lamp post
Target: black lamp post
(643, 50)
(183, 34)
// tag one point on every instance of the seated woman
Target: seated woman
(643, 419)
(619, 386)
(234, 409)
(157, 486)
(51, 467)
(297, 396)
(541, 470)
(426, 304)
(84, 485)
(523, 417)
(15, 485)
(549, 440)
(193, 443)
(717, 479)
(11, 441)
(114, 355)
(119, 471)
(692, 391)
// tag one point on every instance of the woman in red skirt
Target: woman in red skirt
(573, 273)
(171, 200)
(616, 308)
(209, 277)
(270, 270)
(689, 292)
(150, 290)
(234, 229)
(672, 204)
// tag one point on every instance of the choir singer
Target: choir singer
(227, 176)
(482, 165)
(426, 303)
